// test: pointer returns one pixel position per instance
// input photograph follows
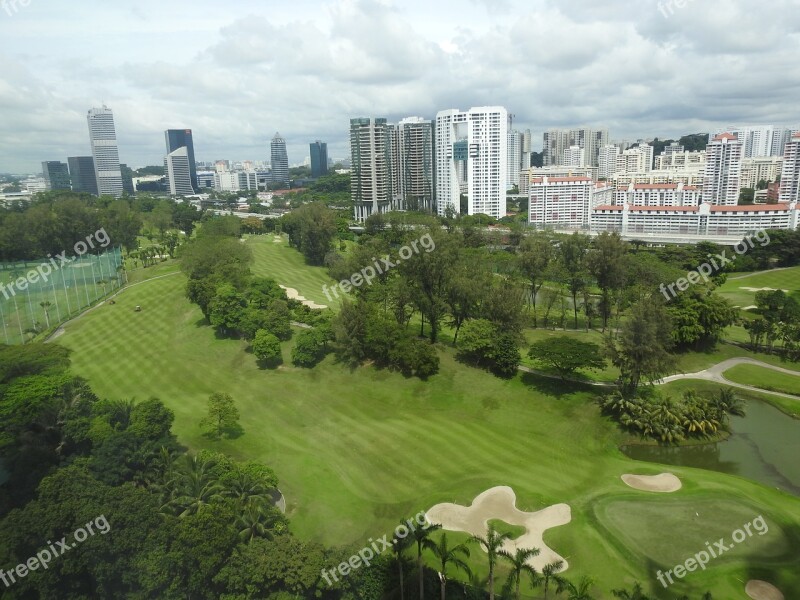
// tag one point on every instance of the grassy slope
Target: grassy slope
(765, 379)
(782, 279)
(357, 450)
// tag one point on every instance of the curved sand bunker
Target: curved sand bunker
(499, 503)
(293, 294)
(761, 590)
(665, 482)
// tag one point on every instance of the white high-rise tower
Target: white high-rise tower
(474, 142)
(790, 175)
(103, 138)
(723, 170)
(179, 173)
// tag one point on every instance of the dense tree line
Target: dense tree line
(54, 221)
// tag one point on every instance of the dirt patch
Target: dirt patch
(500, 503)
(665, 482)
(761, 590)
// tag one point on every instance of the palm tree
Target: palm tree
(197, 487)
(549, 572)
(576, 592)
(636, 594)
(46, 306)
(255, 521)
(420, 535)
(519, 565)
(727, 401)
(447, 556)
(492, 544)
(246, 489)
(399, 545)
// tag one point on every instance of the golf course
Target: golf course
(358, 449)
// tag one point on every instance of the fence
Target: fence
(67, 291)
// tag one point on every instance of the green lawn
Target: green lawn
(779, 279)
(766, 379)
(274, 258)
(357, 450)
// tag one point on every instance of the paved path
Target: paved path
(716, 374)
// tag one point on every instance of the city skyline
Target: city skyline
(306, 69)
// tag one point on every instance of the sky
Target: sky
(236, 72)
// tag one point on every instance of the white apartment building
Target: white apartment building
(414, 137)
(687, 177)
(790, 174)
(514, 157)
(723, 170)
(638, 159)
(178, 171)
(701, 221)
(607, 161)
(556, 141)
(525, 157)
(574, 157)
(372, 185)
(538, 172)
(760, 140)
(681, 161)
(758, 168)
(472, 145)
(235, 181)
(560, 202)
(658, 194)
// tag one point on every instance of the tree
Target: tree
(222, 414)
(535, 258)
(565, 354)
(607, 265)
(447, 555)
(519, 566)
(278, 320)
(642, 348)
(579, 591)
(266, 346)
(312, 229)
(550, 573)
(226, 308)
(492, 544)
(421, 536)
(574, 267)
(309, 348)
(635, 594)
(399, 545)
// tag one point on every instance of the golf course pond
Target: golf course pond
(764, 446)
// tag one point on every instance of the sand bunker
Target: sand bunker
(499, 503)
(665, 482)
(764, 289)
(277, 240)
(293, 294)
(761, 590)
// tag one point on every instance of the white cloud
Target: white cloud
(236, 73)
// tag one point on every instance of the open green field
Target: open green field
(357, 450)
(766, 379)
(779, 279)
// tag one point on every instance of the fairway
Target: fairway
(765, 378)
(357, 450)
(779, 279)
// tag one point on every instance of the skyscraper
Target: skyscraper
(279, 159)
(472, 147)
(557, 141)
(81, 171)
(790, 175)
(177, 168)
(182, 138)
(415, 172)
(103, 138)
(319, 158)
(514, 156)
(371, 183)
(56, 175)
(723, 170)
